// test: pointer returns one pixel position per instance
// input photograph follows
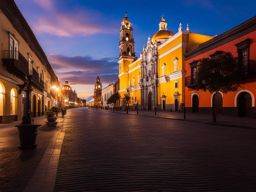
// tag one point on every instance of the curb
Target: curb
(194, 121)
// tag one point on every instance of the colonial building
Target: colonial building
(156, 78)
(106, 94)
(97, 93)
(21, 55)
(69, 96)
(241, 43)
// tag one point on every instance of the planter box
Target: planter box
(27, 135)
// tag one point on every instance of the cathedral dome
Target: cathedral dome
(163, 33)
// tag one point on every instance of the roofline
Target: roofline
(238, 31)
(12, 12)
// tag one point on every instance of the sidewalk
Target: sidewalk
(222, 120)
(18, 167)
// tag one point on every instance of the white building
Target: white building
(90, 102)
(106, 94)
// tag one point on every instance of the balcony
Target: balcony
(15, 63)
(36, 81)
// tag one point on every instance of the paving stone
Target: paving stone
(105, 151)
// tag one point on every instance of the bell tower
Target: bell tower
(126, 39)
(97, 92)
(127, 55)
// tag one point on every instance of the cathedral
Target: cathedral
(155, 78)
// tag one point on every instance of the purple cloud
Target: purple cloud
(83, 70)
(68, 24)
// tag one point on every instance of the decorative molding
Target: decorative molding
(134, 69)
(171, 50)
(176, 75)
(135, 88)
(133, 63)
(224, 38)
(123, 73)
(9, 79)
(247, 91)
(122, 90)
(162, 79)
(170, 39)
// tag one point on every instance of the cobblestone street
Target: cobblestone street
(18, 167)
(105, 151)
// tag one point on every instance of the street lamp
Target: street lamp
(56, 89)
(27, 130)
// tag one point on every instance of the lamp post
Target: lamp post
(27, 130)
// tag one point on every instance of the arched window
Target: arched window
(2, 92)
(127, 37)
(129, 51)
(175, 64)
(13, 102)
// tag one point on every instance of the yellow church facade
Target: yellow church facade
(156, 78)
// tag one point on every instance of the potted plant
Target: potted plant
(51, 118)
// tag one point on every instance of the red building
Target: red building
(240, 41)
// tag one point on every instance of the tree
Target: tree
(113, 98)
(127, 99)
(218, 73)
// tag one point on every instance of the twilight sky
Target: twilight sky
(80, 37)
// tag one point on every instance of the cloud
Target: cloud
(84, 70)
(65, 25)
(70, 23)
(45, 4)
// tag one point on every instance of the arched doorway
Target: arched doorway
(34, 106)
(39, 106)
(13, 101)
(2, 92)
(176, 105)
(217, 101)
(163, 102)
(150, 101)
(244, 104)
(195, 103)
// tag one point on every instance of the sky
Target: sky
(81, 37)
